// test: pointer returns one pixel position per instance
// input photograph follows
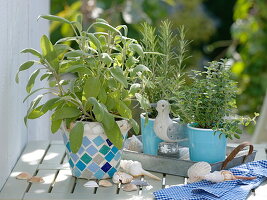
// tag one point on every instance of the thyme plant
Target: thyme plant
(105, 69)
(166, 66)
(210, 101)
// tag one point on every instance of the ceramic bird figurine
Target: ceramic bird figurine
(165, 128)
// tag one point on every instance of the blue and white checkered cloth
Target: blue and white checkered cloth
(227, 190)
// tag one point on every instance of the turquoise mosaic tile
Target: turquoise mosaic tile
(104, 149)
(109, 156)
(114, 149)
(80, 165)
(86, 158)
(98, 140)
(99, 174)
(112, 171)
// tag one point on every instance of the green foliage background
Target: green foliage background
(223, 28)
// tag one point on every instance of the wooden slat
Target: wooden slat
(108, 190)
(173, 180)
(54, 154)
(101, 196)
(48, 176)
(261, 151)
(28, 162)
(80, 189)
(64, 182)
(147, 191)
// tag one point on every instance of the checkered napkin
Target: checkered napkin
(227, 190)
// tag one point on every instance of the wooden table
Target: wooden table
(49, 161)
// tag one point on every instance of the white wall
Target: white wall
(19, 29)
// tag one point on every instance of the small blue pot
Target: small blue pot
(149, 138)
(206, 146)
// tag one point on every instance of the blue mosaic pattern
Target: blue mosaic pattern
(97, 158)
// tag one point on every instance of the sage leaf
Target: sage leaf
(33, 52)
(49, 52)
(32, 80)
(55, 18)
(117, 73)
(140, 68)
(106, 59)
(91, 88)
(76, 137)
(66, 112)
(134, 125)
(55, 125)
(124, 110)
(98, 109)
(137, 48)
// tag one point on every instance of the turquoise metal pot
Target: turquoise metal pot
(149, 138)
(206, 146)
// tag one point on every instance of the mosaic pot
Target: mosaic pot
(97, 158)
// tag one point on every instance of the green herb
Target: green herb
(103, 71)
(166, 66)
(210, 101)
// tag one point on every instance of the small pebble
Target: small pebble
(36, 179)
(23, 176)
(129, 187)
(105, 183)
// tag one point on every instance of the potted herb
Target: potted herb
(93, 107)
(208, 106)
(165, 77)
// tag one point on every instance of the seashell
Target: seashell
(224, 175)
(135, 169)
(133, 144)
(105, 183)
(90, 184)
(121, 177)
(197, 171)
(23, 176)
(36, 179)
(129, 187)
(139, 183)
(216, 177)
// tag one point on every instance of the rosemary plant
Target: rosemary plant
(166, 67)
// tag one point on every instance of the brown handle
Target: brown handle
(236, 151)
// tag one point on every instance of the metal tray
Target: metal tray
(236, 156)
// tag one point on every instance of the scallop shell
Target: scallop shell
(90, 184)
(197, 171)
(129, 187)
(105, 183)
(121, 177)
(36, 179)
(23, 176)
